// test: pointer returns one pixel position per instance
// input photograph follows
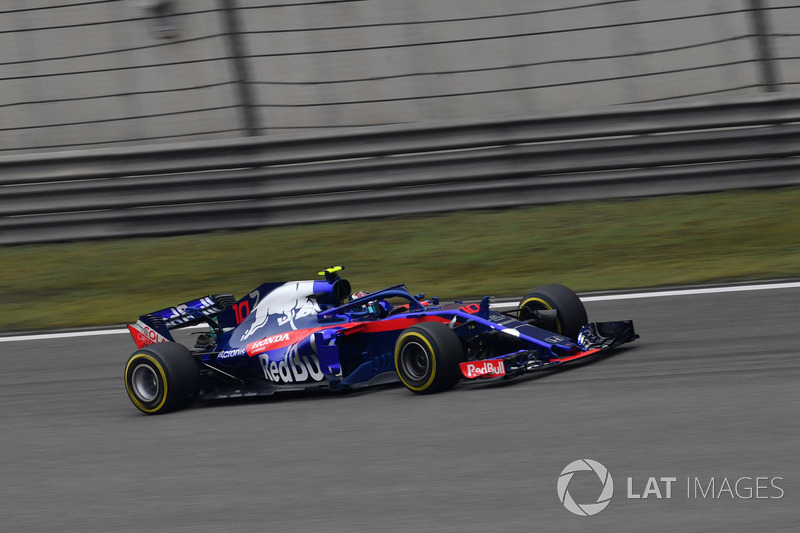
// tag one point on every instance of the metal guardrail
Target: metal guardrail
(625, 151)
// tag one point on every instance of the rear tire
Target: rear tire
(162, 378)
(426, 357)
(571, 314)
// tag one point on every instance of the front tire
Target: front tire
(162, 378)
(571, 314)
(426, 357)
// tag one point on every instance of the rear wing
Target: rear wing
(155, 327)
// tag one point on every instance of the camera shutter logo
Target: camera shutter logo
(586, 509)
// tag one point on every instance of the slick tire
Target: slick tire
(427, 358)
(162, 377)
(571, 314)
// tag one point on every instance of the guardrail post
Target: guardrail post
(763, 45)
(240, 68)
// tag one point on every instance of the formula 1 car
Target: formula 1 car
(305, 335)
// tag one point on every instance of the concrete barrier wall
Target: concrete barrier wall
(96, 74)
(784, 22)
(385, 61)
(90, 74)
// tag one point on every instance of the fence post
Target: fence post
(240, 68)
(763, 46)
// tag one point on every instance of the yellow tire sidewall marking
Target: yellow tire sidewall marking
(431, 352)
(163, 374)
(546, 306)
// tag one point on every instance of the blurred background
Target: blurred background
(155, 151)
(407, 140)
(81, 74)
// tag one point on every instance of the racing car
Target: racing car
(317, 334)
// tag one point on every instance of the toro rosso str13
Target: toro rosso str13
(305, 335)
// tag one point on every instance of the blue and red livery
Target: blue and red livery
(306, 335)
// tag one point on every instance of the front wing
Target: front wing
(593, 338)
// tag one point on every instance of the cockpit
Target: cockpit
(376, 305)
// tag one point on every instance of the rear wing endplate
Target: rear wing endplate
(155, 327)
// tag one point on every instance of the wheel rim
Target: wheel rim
(415, 361)
(144, 382)
(531, 305)
(534, 304)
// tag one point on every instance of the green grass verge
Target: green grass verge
(588, 246)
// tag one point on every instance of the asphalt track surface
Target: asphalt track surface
(710, 391)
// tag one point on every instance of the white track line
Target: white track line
(63, 335)
(498, 303)
(692, 292)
